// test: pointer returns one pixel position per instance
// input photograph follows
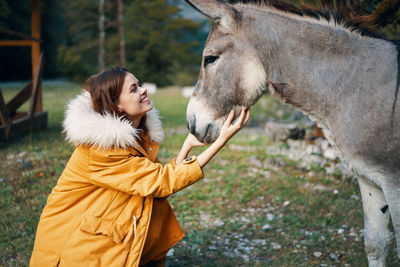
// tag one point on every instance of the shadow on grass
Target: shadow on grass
(33, 138)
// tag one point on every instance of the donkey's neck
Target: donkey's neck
(314, 65)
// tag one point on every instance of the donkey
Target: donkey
(323, 65)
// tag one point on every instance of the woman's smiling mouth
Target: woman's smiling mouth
(145, 100)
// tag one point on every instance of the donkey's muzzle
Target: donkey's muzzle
(201, 122)
(203, 135)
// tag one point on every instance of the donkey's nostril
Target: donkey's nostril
(192, 125)
(208, 128)
(193, 128)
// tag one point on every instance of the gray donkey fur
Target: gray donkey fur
(346, 81)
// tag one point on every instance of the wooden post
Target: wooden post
(17, 43)
(122, 59)
(37, 81)
(35, 20)
(4, 118)
(101, 36)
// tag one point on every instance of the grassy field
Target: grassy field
(253, 208)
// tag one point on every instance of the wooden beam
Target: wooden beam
(19, 115)
(17, 43)
(18, 34)
(4, 118)
(36, 97)
(25, 124)
(19, 99)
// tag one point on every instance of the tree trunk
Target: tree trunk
(122, 59)
(101, 36)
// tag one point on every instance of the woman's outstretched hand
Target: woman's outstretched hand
(228, 129)
(192, 141)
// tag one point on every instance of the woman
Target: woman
(109, 207)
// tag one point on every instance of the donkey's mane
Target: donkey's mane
(361, 24)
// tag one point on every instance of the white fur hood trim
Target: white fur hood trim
(83, 125)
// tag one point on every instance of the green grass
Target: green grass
(223, 215)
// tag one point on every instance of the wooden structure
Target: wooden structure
(11, 121)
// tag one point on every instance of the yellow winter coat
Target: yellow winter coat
(99, 212)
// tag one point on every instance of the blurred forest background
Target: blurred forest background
(163, 38)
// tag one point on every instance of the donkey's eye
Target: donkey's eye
(209, 60)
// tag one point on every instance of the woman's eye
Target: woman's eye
(209, 60)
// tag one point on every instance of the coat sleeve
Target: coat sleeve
(138, 175)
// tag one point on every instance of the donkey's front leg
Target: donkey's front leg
(392, 195)
(376, 221)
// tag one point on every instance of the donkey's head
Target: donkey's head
(231, 75)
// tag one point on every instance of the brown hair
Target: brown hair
(105, 89)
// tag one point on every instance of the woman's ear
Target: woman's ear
(119, 107)
(120, 110)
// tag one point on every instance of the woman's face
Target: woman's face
(133, 98)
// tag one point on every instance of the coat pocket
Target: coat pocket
(97, 242)
(98, 226)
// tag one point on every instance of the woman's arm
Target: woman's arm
(140, 176)
(186, 147)
(227, 131)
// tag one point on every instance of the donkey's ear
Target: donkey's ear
(217, 10)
